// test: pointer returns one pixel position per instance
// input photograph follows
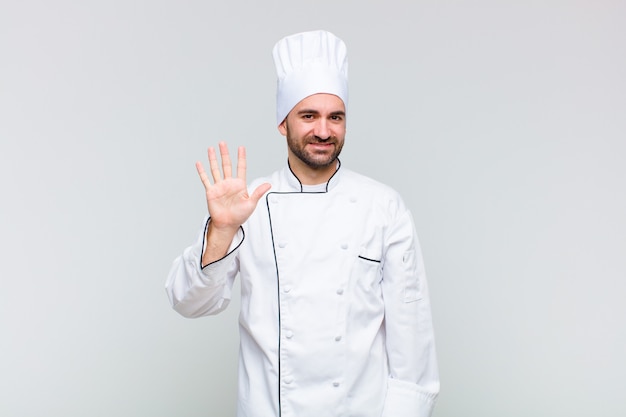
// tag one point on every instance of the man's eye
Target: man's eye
(335, 117)
(307, 116)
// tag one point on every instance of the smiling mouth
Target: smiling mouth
(317, 146)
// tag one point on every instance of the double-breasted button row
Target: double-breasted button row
(289, 335)
(289, 380)
(287, 289)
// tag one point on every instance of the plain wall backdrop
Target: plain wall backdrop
(502, 123)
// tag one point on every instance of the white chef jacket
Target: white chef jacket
(335, 317)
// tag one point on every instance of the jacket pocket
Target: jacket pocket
(367, 272)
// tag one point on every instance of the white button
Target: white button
(287, 289)
(344, 246)
(288, 334)
(336, 384)
(353, 199)
(337, 338)
(340, 291)
(288, 380)
(282, 244)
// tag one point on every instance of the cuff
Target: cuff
(218, 265)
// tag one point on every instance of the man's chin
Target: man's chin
(320, 163)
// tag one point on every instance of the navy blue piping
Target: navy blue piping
(368, 259)
(300, 182)
(269, 215)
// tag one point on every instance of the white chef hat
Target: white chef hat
(309, 63)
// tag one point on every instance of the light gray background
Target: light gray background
(501, 123)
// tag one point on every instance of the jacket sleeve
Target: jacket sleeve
(413, 383)
(196, 291)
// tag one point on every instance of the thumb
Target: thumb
(259, 191)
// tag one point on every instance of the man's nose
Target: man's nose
(322, 130)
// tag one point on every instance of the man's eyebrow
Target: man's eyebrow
(312, 111)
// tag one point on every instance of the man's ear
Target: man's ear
(282, 128)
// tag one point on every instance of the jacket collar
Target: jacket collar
(295, 184)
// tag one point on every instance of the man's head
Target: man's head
(315, 129)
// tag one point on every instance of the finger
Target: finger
(226, 164)
(215, 169)
(259, 191)
(241, 163)
(203, 175)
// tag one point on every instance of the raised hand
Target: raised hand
(228, 200)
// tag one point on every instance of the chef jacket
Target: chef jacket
(335, 317)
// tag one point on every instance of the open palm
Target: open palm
(227, 197)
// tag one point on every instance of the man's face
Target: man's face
(315, 129)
